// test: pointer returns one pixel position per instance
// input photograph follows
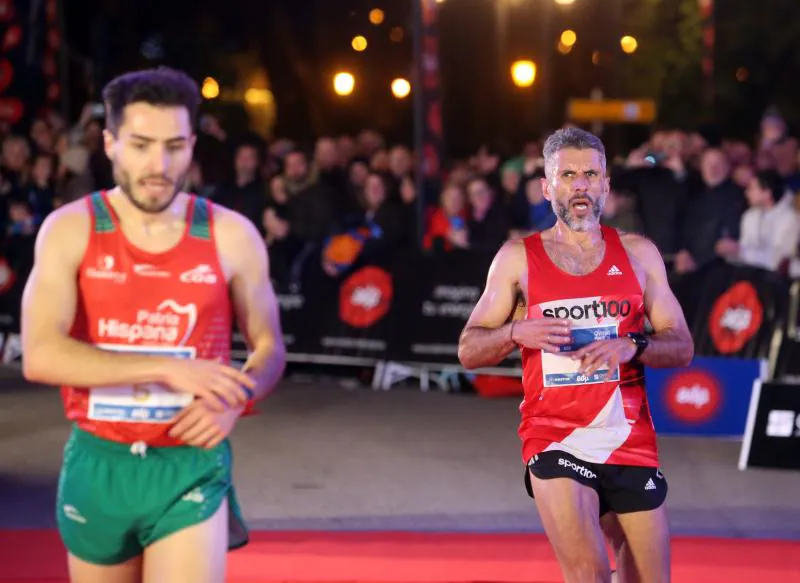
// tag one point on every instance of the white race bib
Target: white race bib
(142, 403)
(561, 370)
(591, 319)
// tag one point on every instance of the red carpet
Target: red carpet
(332, 557)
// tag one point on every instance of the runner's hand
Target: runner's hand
(211, 380)
(607, 354)
(201, 426)
(546, 334)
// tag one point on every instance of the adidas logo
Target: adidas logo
(650, 485)
(614, 270)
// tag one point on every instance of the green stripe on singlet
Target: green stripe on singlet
(103, 223)
(200, 226)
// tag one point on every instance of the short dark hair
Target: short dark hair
(772, 181)
(574, 138)
(163, 86)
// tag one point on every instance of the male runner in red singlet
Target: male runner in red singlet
(129, 308)
(587, 438)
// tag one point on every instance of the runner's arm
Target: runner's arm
(254, 301)
(671, 345)
(486, 339)
(49, 302)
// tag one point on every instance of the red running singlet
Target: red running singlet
(173, 304)
(597, 420)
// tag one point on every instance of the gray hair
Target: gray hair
(574, 138)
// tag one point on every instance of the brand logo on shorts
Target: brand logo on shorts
(584, 310)
(580, 470)
(693, 396)
(650, 485)
(202, 274)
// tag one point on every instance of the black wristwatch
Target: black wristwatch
(640, 341)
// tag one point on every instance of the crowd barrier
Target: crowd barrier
(405, 319)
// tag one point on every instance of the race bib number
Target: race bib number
(142, 403)
(592, 319)
(561, 370)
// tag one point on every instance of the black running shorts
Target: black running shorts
(621, 488)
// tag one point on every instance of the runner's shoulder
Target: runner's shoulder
(640, 247)
(510, 257)
(66, 227)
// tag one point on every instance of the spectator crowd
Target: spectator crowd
(348, 199)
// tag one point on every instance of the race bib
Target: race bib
(142, 403)
(592, 319)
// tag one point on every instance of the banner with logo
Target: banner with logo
(734, 310)
(710, 397)
(772, 436)
(439, 294)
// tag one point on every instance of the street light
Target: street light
(210, 89)
(376, 16)
(629, 44)
(359, 43)
(344, 83)
(401, 88)
(523, 73)
(568, 38)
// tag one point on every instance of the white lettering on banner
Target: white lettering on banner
(142, 403)
(160, 325)
(354, 343)
(736, 319)
(460, 300)
(449, 310)
(696, 395)
(367, 297)
(456, 293)
(580, 470)
(782, 423)
(289, 302)
(202, 274)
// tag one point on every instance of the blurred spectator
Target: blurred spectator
(620, 213)
(770, 232)
(531, 212)
(487, 224)
(246, 193)
(447, 228)
(714, 214)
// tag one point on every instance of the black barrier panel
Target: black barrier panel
(415, 310)
(439, 293)
(733, 310)
(16, 261)
(772, 433)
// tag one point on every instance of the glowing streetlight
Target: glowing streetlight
(376, 16)
(569, 38)
(255, 96)
(629, 44)
(523, 73)
(344, 83)
(210, 88)
(401, 88)
(359, 43)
